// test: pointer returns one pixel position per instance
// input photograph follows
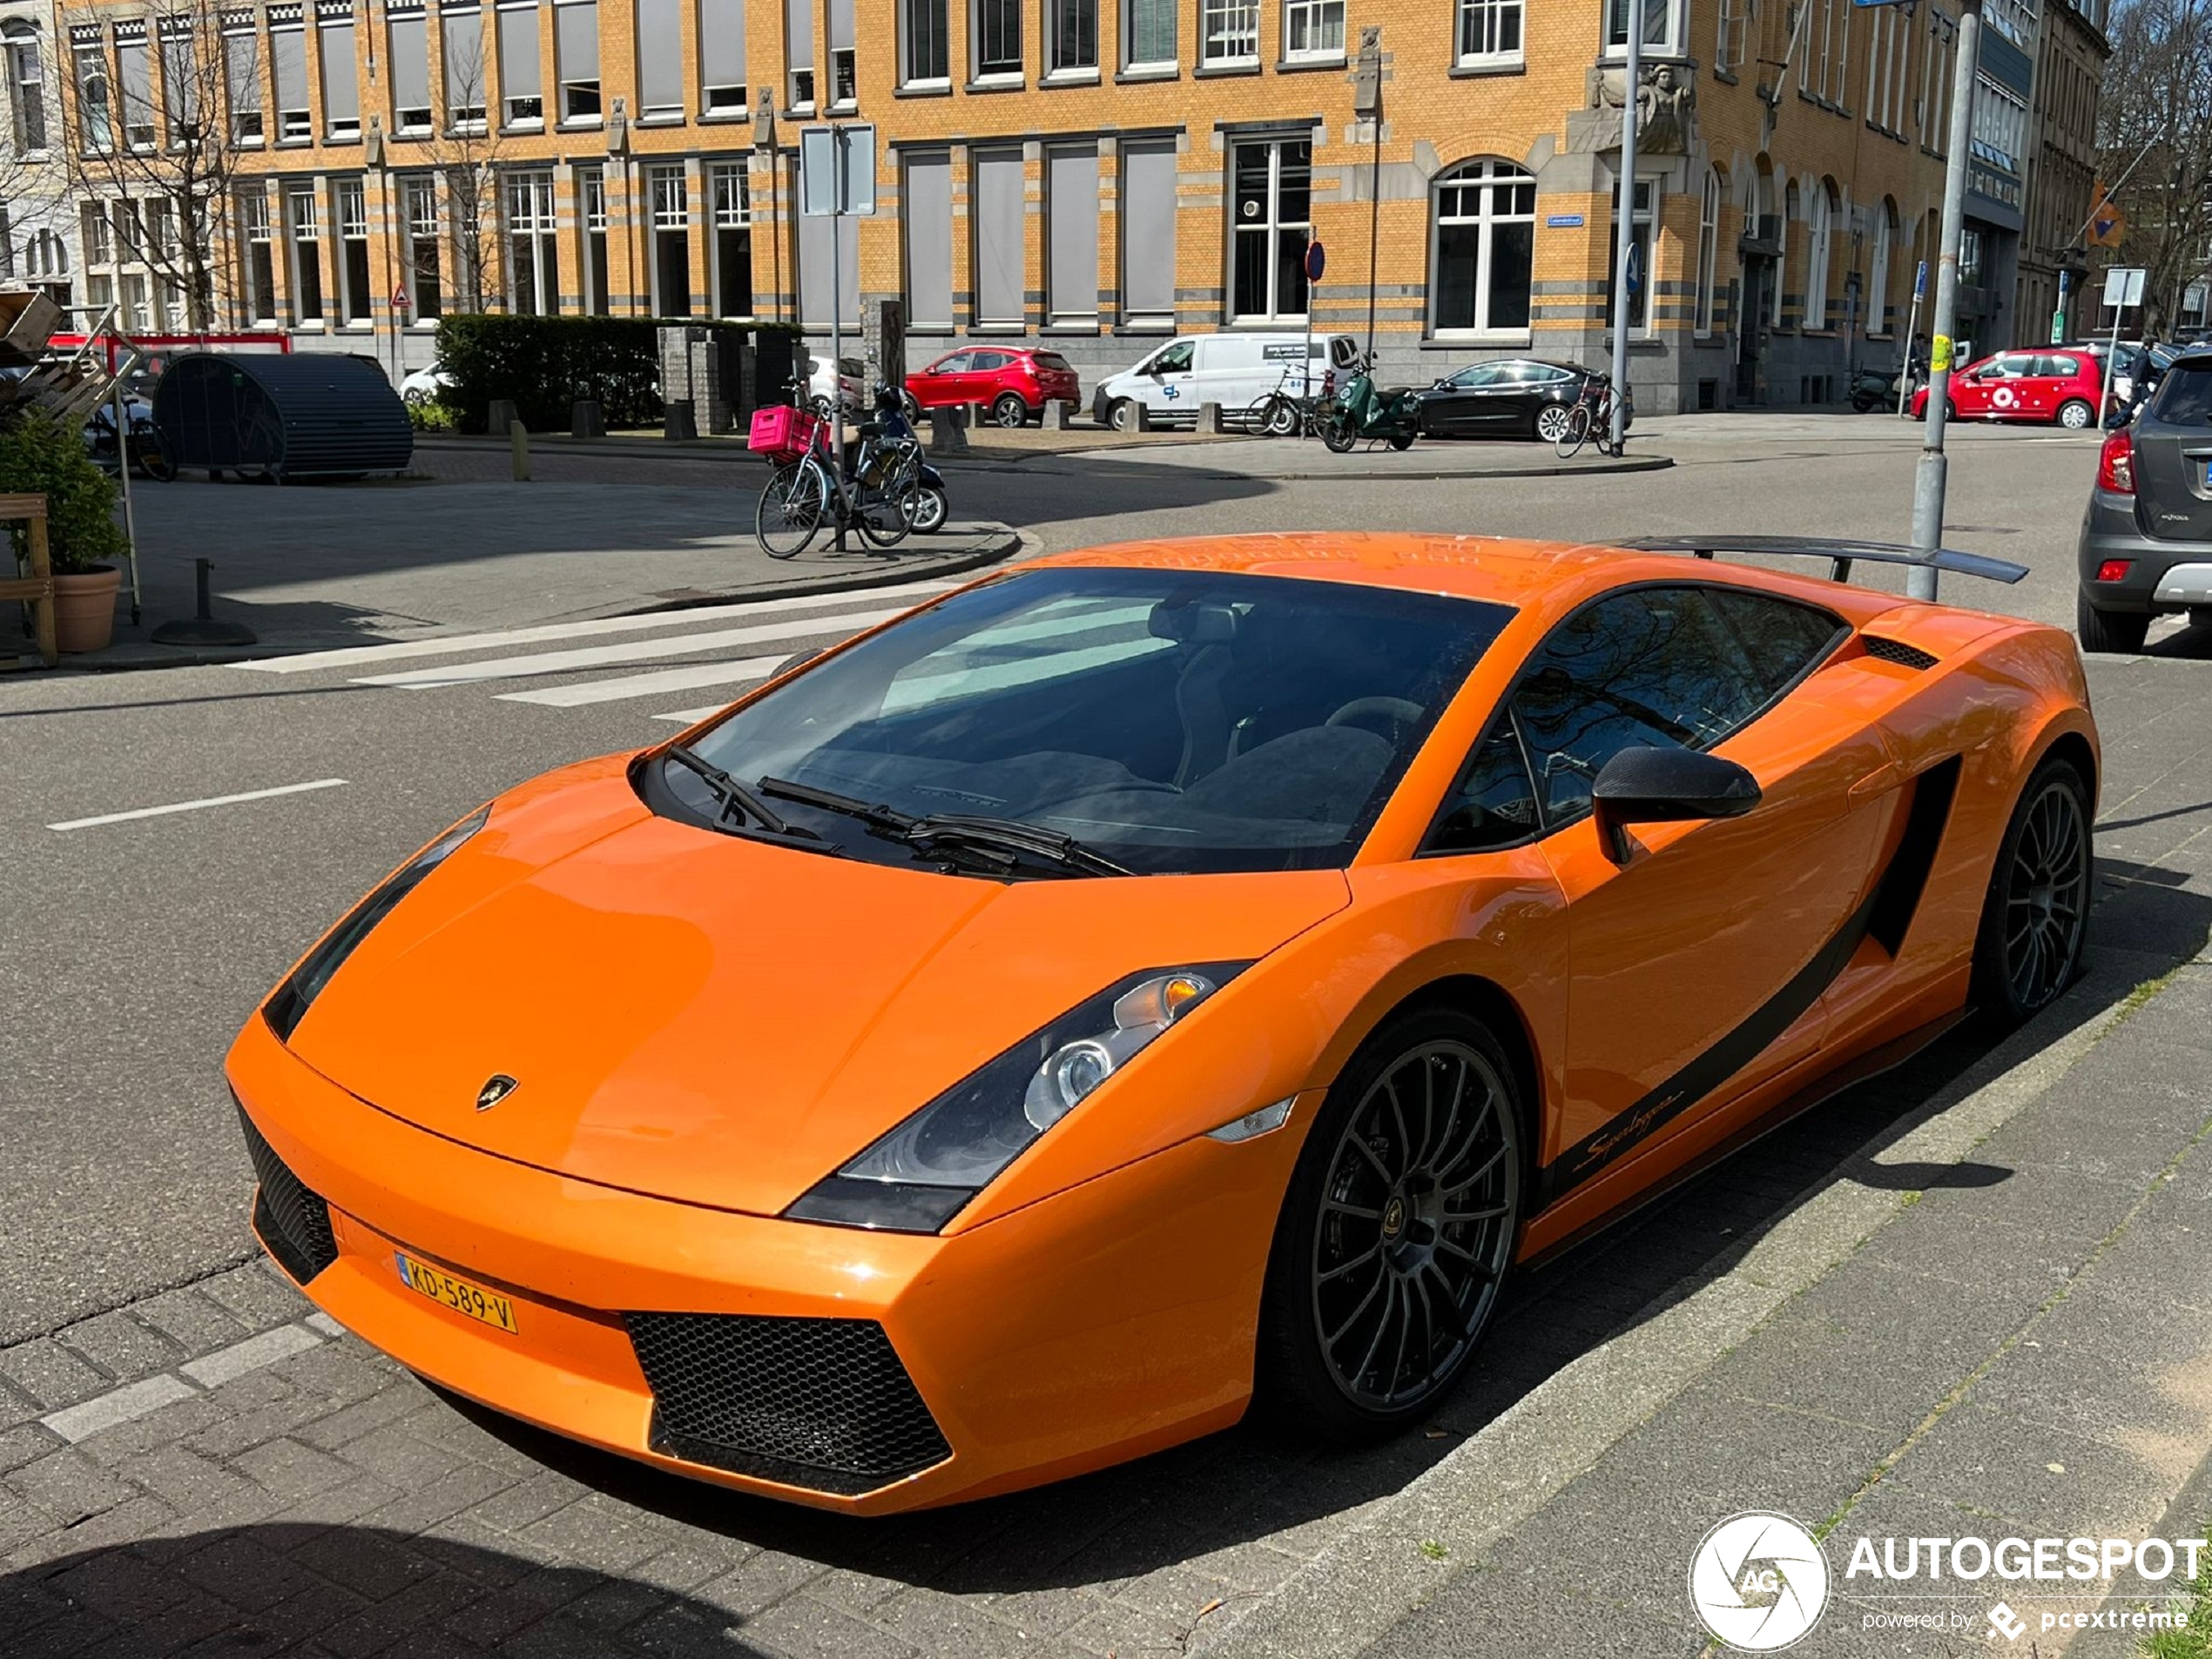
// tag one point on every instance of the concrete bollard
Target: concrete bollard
(1209, 417)
(679, 423)
(1140, 417)
(1058, 415)
(518, 450)
(948, 432)
(587, 418)
(503, 416)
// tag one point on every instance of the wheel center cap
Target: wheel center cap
(1393, 1217)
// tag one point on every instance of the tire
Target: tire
(2123, 631)
(1121, 414)
(1367, 1171)
(1008, 410)
(1338, 434)
(1277, 417)
(1550, 424)
(415, 398)
(931, 510)
(2075, 414)
(1401, 441)
(1864, 403)
(154, 465)
(1569, 443)
(2036, 914)
(792, 505)
(886, 512)
(911, 409)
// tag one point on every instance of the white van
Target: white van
(1235, 370)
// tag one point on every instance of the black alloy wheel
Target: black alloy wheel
(2036, 914)
(1401, 1220)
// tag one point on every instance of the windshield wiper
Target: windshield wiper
(736, 801)
(1008, 837)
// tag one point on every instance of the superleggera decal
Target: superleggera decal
(1886, 914)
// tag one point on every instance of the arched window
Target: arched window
(1877, 289)
(1709, 248)
(1817, 247)
(1482, 246)
(1792, 213)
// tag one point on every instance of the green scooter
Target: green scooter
(1363, 415)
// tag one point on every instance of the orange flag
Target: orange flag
(2107, 225)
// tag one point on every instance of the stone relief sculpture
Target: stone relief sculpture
(1666, 109)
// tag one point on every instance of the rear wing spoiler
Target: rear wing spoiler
(1840, 555)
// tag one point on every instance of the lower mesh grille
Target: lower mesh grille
(1895, 651)
(823, 1404)
(292, 1221)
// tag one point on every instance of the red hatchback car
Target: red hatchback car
(2065, 387)
(1013, 383)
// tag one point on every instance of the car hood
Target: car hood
(725, 1022)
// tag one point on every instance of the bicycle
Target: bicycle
(880, 497)
(1283, 413)
(1591, 422)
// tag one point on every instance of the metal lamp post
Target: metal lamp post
(1624, 219)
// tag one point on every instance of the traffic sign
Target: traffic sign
(2124, 285)
(837, 170)
(1317, 260)
(401, 299)
(1920, 282)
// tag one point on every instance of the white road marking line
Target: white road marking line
(224, 1364)
(692, 716)
(564, 662)
(195, 806)
(119, 1405)
(355, 656)
(144, 1398)
(651, 685)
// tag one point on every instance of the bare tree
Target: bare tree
(467, 155)
(2157, 105)
(162, 140)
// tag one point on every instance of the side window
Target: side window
(1780, 638)
(1176, 359)
(1493, 804)
(956, 364)
(985, 362)
(2064, 368)
(1650, 668)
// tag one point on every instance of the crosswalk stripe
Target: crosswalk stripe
(648, 684)
(397, 651)
(563, 661)
(693, 717)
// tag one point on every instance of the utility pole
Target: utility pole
(1624, 226)
(1934, 467)
(1368, 73)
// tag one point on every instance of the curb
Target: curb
(1375, 1575)
(997, 546)
(1553, 469)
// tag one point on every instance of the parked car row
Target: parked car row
(2146, 545)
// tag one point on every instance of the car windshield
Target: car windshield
(1168, 721)
(2185, 395)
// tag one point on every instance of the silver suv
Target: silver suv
(2147, 540)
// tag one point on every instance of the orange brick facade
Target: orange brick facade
(1780, 142)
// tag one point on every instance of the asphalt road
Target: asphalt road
(134, 949)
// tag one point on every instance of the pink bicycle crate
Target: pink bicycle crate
(781, 432)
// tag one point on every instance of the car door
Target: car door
(1452, 410)
(941, 384)
(1698, 964)
(1167, 378)
(980, 383)
(1970, 392)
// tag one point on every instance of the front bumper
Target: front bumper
(2162, 576)
(1108, 1321)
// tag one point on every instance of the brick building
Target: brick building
(2061, 178)
(1089, 173)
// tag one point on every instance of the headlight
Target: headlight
(918, 1177)
(292, 998)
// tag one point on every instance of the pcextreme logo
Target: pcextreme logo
(1758, 1582)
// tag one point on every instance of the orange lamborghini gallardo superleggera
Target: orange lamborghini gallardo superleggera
(1151, 980)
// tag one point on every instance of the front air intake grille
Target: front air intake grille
(823, 1404)
(1895, 651)
(292, 1221)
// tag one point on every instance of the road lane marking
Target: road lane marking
(649, 685)
(693, 717)
(642, 650)
(395, 650)
(142, 1399)
(196, 806)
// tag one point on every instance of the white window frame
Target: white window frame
(1002, 11)
(1673, 40)
(303, 241)
(667, 212)
(1229, 34)
(1479, 25)
(721, 101)
(1644, 230)
(1820, 249)
(1877, 287)
(27, 88)
(1731, 36)
(529, 212)
(349, 220)
(249, 124)
(337, 130)
(92, 55)
(729, 195)
(1269, 228)
(1782, 266)
(419, 204)
(513, 119)
(1709, 251)
(140, 131)
(591, 198)
(1319, 19)
(938, 15)
(597, 81)
(1489, 183)
(1056, 14)
(256, 231)
(1131, 63)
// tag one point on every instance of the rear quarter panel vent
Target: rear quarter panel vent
(1895, 651)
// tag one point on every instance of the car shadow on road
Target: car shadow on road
(1207, 1498)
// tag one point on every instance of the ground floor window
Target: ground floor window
(732, 241)
(591, 190)
(421, 206)
(303, 225)
(1709, 248)
(1485, 236)
(533, 266)
(1642, 219)
(1270, 221)
(257, 255)
(354, 291)
(672, 243)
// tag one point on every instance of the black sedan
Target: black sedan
(1514, 397)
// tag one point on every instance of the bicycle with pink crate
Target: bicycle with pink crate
(880, 497)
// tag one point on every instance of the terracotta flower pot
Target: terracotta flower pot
(84, 608)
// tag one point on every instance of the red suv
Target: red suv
(1014, 383)
(2062, 386)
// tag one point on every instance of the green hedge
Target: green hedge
(545, 364)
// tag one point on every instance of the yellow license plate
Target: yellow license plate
(457, 1293)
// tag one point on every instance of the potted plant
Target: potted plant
(39, 457)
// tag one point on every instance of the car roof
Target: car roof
(1524, 573)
